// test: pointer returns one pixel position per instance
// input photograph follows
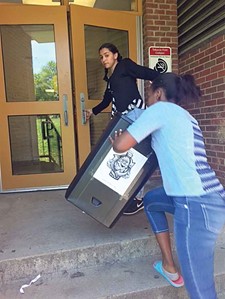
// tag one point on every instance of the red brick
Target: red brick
(206, 85)
(220, 45)
(216, 54)
(217, 68)
(205, 122)
(160, 33)
(164, 17)
(210, 64)
(210, 50)
(165, 39)
(221, 87)
(221, 73)
(160, 23)
(211, 103)
(211, 76)
(221, 101)
(159, 12)
(210, 90)
(217, 82)
(165, 6)
(218, 95)
(205, 72)
(220, 59)
(211, 128)
(221, 154)
(212, 154)
(204, 59)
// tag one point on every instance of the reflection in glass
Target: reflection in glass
(36, 144)
(94, 38)
(29, 63)
(97, 126)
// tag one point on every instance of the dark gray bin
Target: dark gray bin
(107, 182)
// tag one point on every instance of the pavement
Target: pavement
(37, 223)
(77, 257)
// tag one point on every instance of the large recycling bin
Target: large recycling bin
(107, 181)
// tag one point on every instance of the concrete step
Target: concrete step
(122, 280)
(43, 234)
(100, 254)
(79, 258)
(49, 235)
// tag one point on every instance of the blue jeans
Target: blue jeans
(197, 224)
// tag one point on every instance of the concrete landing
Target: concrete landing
(41, 222)
(41, 231)
(77, 257)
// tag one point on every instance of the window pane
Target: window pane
(29, 63)
(36, 144)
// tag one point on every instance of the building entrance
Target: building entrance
(50, 72)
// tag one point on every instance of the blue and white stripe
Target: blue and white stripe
(210, 183)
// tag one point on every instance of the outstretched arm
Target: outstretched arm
(138, 71)
(107, 99)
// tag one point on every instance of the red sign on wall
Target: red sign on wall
(160, 59)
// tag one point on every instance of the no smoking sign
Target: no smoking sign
(160, 59)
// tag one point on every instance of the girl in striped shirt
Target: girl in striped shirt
(191, 191)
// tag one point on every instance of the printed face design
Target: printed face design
(107, 58)
(121, 165)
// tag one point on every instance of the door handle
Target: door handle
(82, 105)
(65, 110)
(43, 130)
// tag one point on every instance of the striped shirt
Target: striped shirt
(136, 103)
(178, 143)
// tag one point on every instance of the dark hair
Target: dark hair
(177, 88)
(112, 48)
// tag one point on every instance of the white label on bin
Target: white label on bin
(117, 171)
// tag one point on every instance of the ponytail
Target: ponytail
(177, 88)
(188, 89)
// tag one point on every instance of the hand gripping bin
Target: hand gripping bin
(107, 182)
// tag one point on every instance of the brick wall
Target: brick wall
(160, 27)
(207, 64)
(160, 30)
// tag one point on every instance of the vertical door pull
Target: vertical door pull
(65, 109)
(82, 105)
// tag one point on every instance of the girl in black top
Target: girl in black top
(122, 92)
(121, 89)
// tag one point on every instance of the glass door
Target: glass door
(90, 28)
(37, 131)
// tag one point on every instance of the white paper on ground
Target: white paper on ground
(27, 285)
